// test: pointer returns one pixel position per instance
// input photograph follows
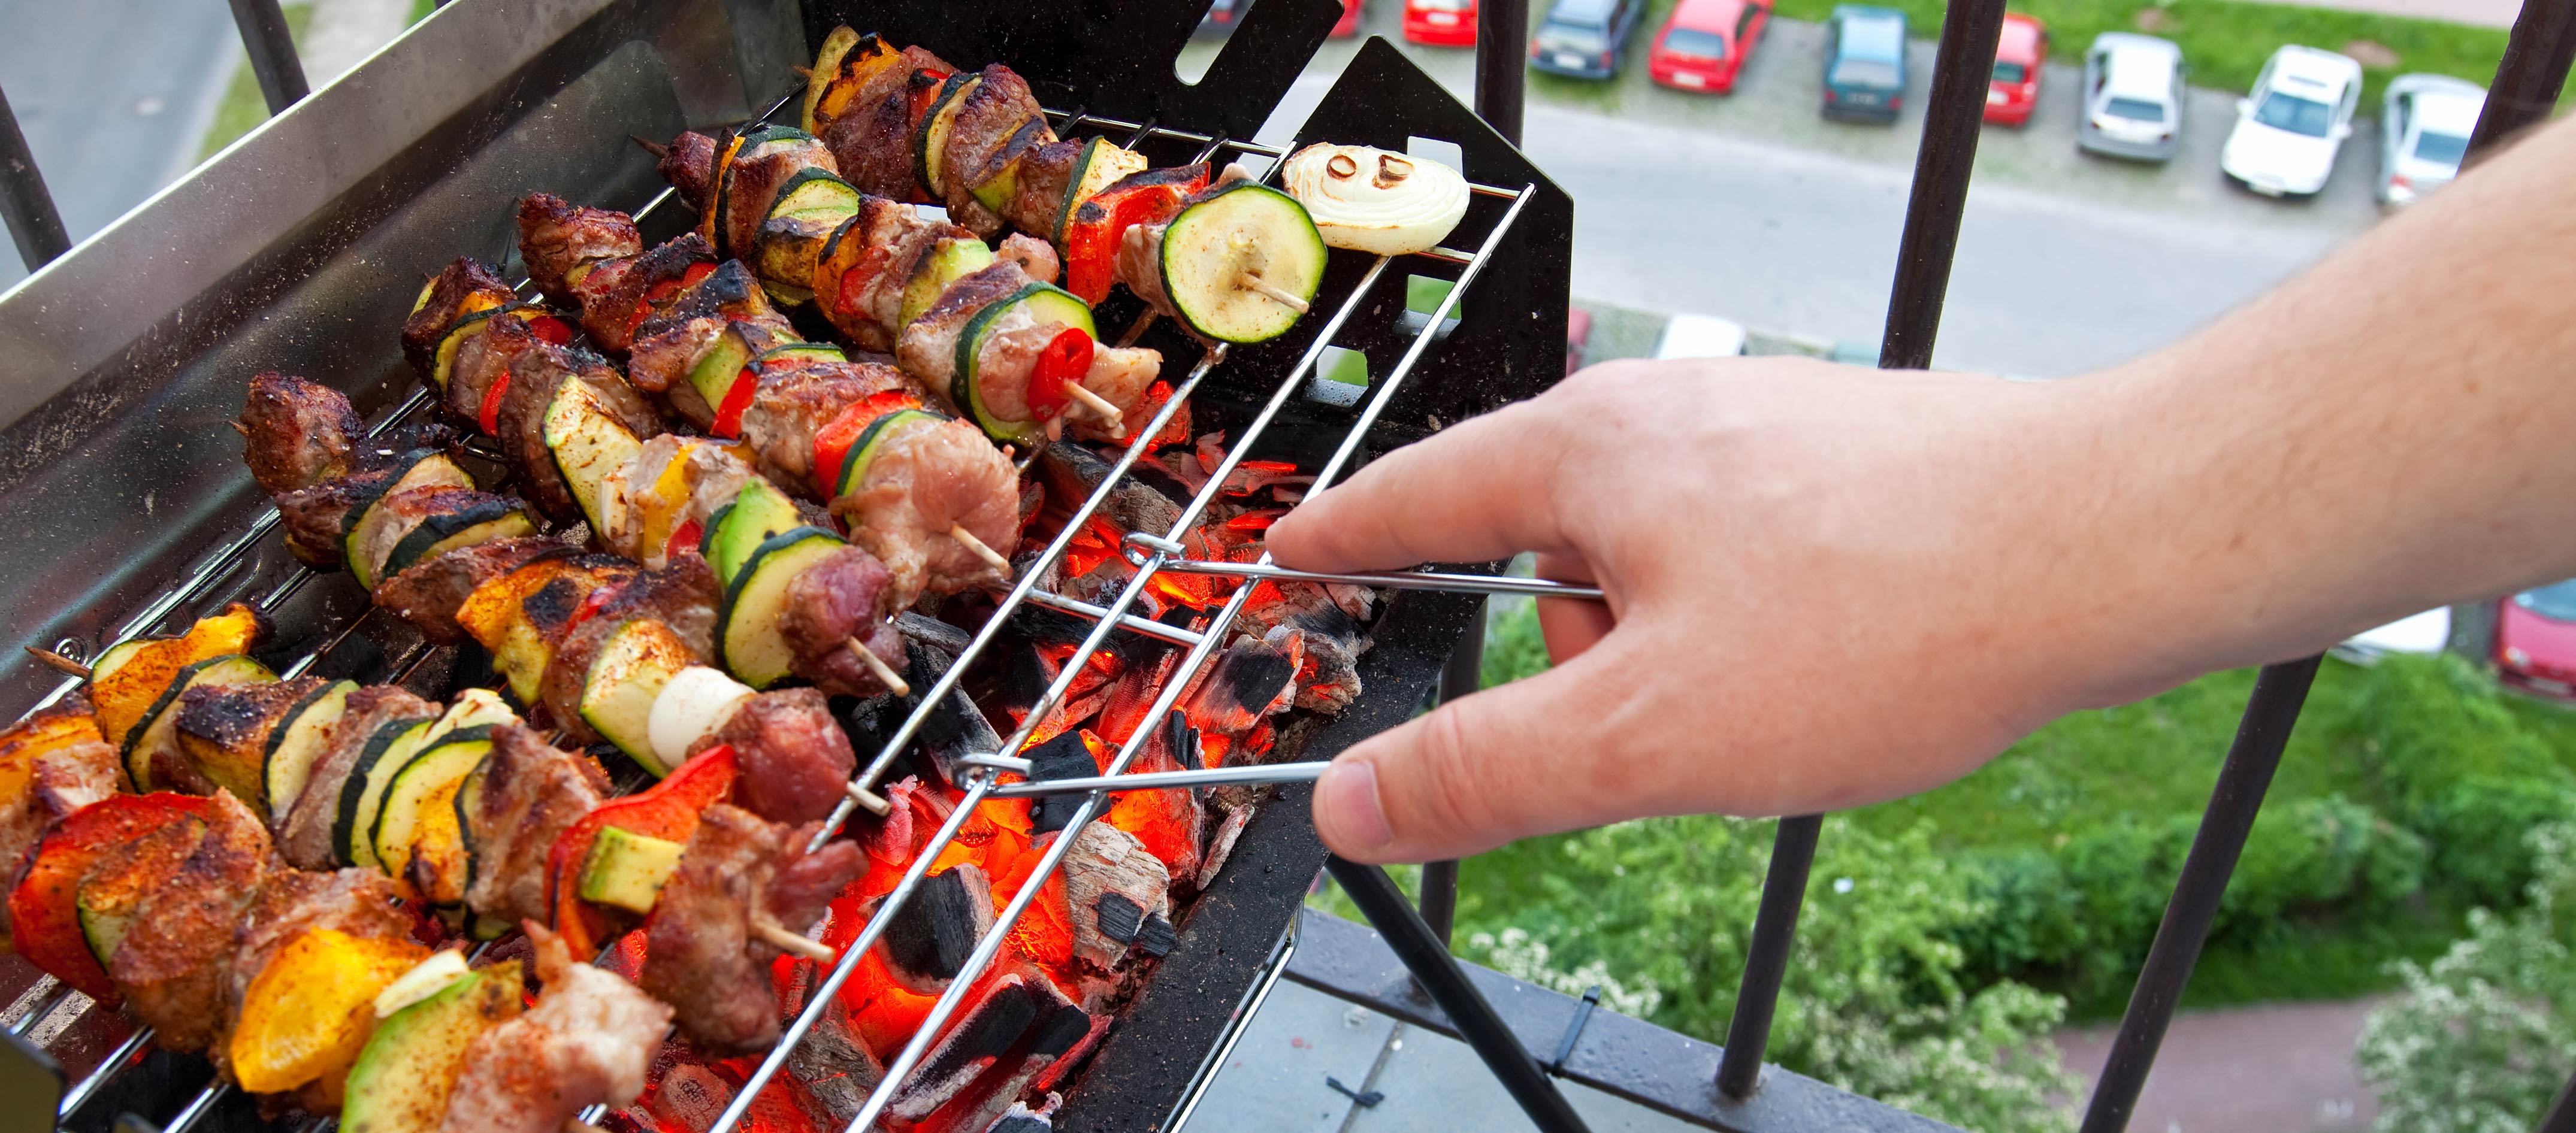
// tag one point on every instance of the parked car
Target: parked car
(2420, 635)
(1440, 23)
(2132, 97)
(2423, 132)
(2013, 92)
(1704, 45)
(1864, 63)
(1700, 336)
(1221, 17)
(2289, 129)
(1578, 337)
(2535, 640)
(1585, 39)
(1349, 24)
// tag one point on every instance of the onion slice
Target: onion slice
(1370, 200)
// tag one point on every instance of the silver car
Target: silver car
(2132, 97)
(2423, 133)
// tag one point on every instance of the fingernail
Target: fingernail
(1346, 807)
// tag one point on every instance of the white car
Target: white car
(2424, 132)
(1700, 336)
(2132, 97)
(2419, 635)
(2288, 129)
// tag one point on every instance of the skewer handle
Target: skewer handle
(1263, 287)
(883, 672)
(776, 935)
(1306, 772)
(1396, 579)
(967, 539)
(1099, 406)
(59, 663)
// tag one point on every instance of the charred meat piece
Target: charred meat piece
(531, 793)
(316, 516)
(928, 346)
(869, 130)
(590, 1040)
(921, 483)
(562, 242)
(224, 729)
(991, 115)
(681, 596)
(667, 344)
(536, 376)
(748, 184)
(841, 603)
(862, 281)
(689, 164)
(305, 838)
(403, 512)
(297, 433)
(795, 402)
(793, 757)
(429, 593)
(619, 295)
(174, 964)
(702, 955)
(463, 288)
(932, 935)
(482, 363)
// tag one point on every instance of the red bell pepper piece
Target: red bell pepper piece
(737, 400)
(832, 443)
(550, 329)
(1092, 234)
(1061, 362)
(668, 810)
(490, 415)
(686, 537)
(44, 913)
(664, 290)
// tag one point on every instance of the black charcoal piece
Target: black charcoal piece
(1182, 740)
(931, 937)
(1120, 918)
(1058, 1031)
(1064, 757)
(1157, 937)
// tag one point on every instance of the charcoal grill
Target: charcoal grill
(292, 250)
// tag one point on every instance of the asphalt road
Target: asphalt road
(113, 95)
(1753, 208)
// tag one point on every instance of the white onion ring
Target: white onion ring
(1370, 200)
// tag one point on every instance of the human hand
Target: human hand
(1826, 586)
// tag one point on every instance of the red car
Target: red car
(1704, 45)
(2535, 641)
(2014, 91)
(1349, 25)
(1440, 23)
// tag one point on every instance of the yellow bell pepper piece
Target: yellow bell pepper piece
(309, 1012)
(124, 695)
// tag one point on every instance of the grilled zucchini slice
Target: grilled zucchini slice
(484, 522)
(755, 514)
(425, 787)
(747, 635)
(424, 468)
(1038, 304)
(617, 697)
(1213, 243)
(299, 739)
(588, 444)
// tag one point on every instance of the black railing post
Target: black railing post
(1439, 974)
(1502, 54)
(2561, 1117)
(1463, 675)
(272, 53)
(1962, 69)
(25, 204)
(2531, 73)
(1766, 962)
(2279, 691)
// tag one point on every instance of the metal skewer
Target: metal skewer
(1303, 772)
(1391, 579)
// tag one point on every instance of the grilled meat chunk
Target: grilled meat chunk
(689, 164)
(429, 592)
(665, 346)
(793, 756)
(482, 362)
(536, 376)
(404, 511)
(673, 482)
(1036, 257)
(532, 792)
(358, 902)
(991, 115)
(921, 483)
(928, 347)
(871, 135)
(562, 242)
(589, 1040)
(174, 965)
(317, 515)
(682, 596)
(842, 603)
(894, 242)
(619, 295)
(297, 433)
(462, 288)
(305, 838)
(55, 762)
(701, 955)
(793, 403)
(224, 729)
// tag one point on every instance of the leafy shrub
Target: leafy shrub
(1660, 913)
(2486, 1033)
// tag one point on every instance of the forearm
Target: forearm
(2391, 431)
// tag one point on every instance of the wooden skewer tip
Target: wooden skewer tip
(238, 427)
(793, 944)
(655, 148)
(957, 531)
(872, 801)
(59, 663)
(885, 673)
(1099, 407)
(1254, 283)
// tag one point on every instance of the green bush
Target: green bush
(2486, 1033)
(1874, 1001)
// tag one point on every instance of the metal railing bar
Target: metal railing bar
(1502, 54)
(1146, 626)
(1303, 772)
(2279, 691)
(1436, 895)
(107, 1068)
(2530, 74)
(25, 204)
(199, 1106)
(2561, 1117)
(1953, 115)
(271, 46)
(1766, 960)
(1391, 579)
(1427, 956)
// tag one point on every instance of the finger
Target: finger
(1569, 625)
(1485, 769)
(1476, 490)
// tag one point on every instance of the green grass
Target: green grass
(2142, 764)
(243, 107)
(420, 10)
(2224, 42)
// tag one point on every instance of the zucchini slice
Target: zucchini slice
(1002, 178)
(391, 749)
(951, 260)
(718, 210)
(759, 511)
(298, 739)
(485, 522)
(443, 359)
(1101, 165)
(108, 899)
(424, 784)
(159, 731)
(424, 468)
(1246, 228)
(816, 194)
(747, 634)
(1038, 304)
(627, 870)
(854, 467)
(588, 444)
(930, 143)
(617, 696)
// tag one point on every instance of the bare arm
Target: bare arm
(1831, 586)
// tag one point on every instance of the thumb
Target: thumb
(1482, 770)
